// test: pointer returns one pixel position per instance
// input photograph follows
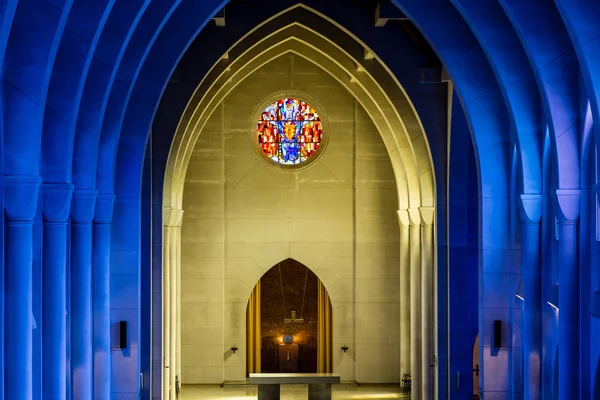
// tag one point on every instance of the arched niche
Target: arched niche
(242, 216)
(289, 322)
(379, 99)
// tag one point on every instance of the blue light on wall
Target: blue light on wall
(594, 307)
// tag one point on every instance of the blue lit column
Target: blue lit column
(531, 268)
(101, 295)
(567, 210)
(82, 213)
(56, 209)
(20, 204)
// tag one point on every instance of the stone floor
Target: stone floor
(289, 392)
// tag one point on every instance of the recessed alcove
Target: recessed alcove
(289, 322)
(337, 216)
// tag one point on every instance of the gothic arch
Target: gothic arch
(325, 332)
(370, 83)
(313, 269)
(414, 168)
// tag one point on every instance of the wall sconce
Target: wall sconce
(520, 291)
(345, 348)
(122, 334)
(497, 339)
(594, 307)
(234, 349)
(553, 296)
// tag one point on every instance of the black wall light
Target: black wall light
(122, 334)
(345, 348)
(497, 333)
(234, 349)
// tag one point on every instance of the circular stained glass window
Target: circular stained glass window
(289, 131)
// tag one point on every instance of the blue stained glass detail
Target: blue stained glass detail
(289, 131)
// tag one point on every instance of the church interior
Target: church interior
(402, 195)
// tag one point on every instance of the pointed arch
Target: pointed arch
(408, 147)
(255, 335)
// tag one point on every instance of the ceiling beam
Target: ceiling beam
(385, 12)
(219, 17)
(369, 55)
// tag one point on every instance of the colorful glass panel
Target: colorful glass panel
(289, 131)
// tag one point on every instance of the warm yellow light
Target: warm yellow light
(280, 339)
(378, 396)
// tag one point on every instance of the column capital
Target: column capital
(21, 193)
(427, 215)
(172, 217)
(104, 208)
(56, 201)
(403, 218)
(566, 202)
(83, 205)
(414, 216)
(530, 208)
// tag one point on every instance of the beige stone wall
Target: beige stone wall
(242, 216)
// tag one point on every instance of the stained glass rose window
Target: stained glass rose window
(289, 131)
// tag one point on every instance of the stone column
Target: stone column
(166, 311)
(173, 315)
(531, 268)
(567, 209)
(175, 296)
(404, 292)
(82, 213)
(178, 283)
(101, 295)
(56, 209)
(427, 302)
(20, 204)
(172, 219)
(415, 302)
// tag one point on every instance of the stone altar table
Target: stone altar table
(319, 384)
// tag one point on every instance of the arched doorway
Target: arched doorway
(289, 322)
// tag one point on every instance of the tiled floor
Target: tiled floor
(291, 392)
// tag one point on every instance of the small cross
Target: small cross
(293, 320)
(476, 370)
